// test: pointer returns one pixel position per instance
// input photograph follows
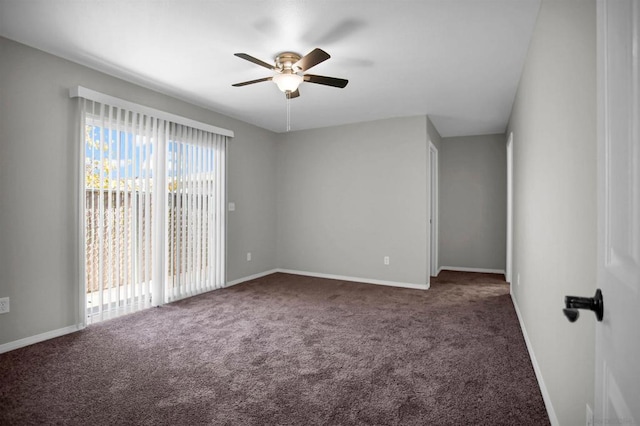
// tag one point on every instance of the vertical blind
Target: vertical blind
(195, 222)
(154, 216)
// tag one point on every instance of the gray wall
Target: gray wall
(251, 182)
(350, 195)
(38, 165)
(473, 202)
(554, 130)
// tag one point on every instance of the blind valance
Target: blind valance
(92, 95)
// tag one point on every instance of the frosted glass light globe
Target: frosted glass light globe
(287, 82)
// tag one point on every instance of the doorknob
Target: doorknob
(573, 303)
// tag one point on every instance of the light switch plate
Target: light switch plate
(232, 207)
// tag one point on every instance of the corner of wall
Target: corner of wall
(433, 134)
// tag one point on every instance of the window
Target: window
(154, 217)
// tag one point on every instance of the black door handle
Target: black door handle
(573, 303)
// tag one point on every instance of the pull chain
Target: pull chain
(288, 114)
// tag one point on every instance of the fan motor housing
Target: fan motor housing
(285, 60)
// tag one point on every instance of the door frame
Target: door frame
(509, 261)
(432, 211)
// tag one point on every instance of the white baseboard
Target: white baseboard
(553, 418)
(356, 279)
(251, 277)
(6, 347)
(463, 269)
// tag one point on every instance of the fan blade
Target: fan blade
(244, 83)
(312, 59)
(254, 60)
(291, 95)
(327, 81)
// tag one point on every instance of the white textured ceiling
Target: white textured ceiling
(457, 60)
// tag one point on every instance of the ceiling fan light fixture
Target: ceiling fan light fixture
(287, 82)
(289, 68)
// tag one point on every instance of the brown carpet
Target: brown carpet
(289, 350)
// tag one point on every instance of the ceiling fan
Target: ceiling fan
(289, 67)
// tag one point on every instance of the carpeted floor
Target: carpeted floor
(289, 350)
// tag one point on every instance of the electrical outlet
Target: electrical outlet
(4, 305)
(589, 416)
(386, 260)
(249, 257)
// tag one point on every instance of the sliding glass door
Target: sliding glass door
(153, 210)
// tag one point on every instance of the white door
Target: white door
(617, 393)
